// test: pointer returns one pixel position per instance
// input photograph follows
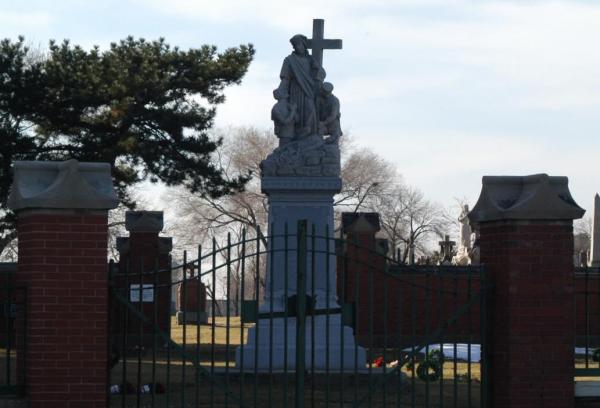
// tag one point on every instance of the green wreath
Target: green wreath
(596, 355)
(436, 356)
(431, 368)
(428, 371)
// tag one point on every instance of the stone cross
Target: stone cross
(446, 248)
(318, 43)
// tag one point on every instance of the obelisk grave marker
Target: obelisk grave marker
(595, 248)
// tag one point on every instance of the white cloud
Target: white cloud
(17, 23)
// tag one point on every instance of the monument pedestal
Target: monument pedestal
(332, 341)
(292, 199)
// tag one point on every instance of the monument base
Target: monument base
(332, 347)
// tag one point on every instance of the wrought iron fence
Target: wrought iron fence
(324, 322)
(12, 332)
(587, 322)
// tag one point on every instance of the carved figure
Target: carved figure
(329, 114)
(462, 256)
(301, 78)
(283, 114)
(465, 227)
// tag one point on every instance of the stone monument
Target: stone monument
(446, 247)
(595, 247)
(464, 246)
(300, 178)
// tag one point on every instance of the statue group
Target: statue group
(305, 104)
(307, 113)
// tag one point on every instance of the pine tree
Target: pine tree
(144, 107)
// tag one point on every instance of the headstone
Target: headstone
(300, 178)
(191, 301)
(583, 259)
(411, 254)
(595, 248)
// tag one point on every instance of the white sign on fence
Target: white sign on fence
(147, 292)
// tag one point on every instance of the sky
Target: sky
(447, 90)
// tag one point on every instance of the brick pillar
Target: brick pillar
(144, 249)
(526, 236)
(62, 230)
(362, 264)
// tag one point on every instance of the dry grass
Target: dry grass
(580, 363)
(263, 390)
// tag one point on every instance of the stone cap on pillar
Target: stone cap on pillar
(360, 222)
(165, 245)
(62, 185)
(534, 197)
(144, 221)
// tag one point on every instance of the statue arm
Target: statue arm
(279, 116)
(335, 110)
(291, 116)
(285, 75)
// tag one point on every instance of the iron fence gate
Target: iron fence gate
(13, 325)
(334, 323)
(587, 322)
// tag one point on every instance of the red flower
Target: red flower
(379, 362)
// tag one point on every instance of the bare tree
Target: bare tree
(369, 183)
(366, 176)
(582, 231)
(408, 219)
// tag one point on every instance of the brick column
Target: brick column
(62, 230)
(362, 262)
(526, 238)
(144, 249)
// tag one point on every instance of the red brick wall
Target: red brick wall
(62, 261)
(531, 338)
(416, 302)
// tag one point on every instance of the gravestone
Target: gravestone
(595, 248)
(191, 301)
(300, 178)
(446, 247)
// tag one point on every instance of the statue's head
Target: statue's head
(327, 88)
(300, 44)
(280, 94)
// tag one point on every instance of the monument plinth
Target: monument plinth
(300, 178)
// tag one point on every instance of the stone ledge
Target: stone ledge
(535, 197)
(62, 185)
(298, 183)
(165, 245)
(587, 389)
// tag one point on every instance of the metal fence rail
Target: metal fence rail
(419, 327)
(12, 332)
(587, 322)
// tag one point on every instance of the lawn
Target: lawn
(228, 387)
